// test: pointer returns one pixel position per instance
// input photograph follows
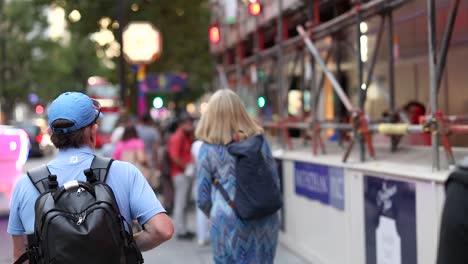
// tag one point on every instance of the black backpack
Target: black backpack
(79, 222)
(257, 194)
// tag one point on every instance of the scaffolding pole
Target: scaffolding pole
(370, 73)
(361, 85)
(391, 75)
(282, 98)
(383, 128)
(367, 10)
(335, 84)
(316, 98)
(433, 82)
(446, 42)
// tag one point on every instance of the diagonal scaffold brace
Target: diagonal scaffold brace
(359, 120)
(315, 124)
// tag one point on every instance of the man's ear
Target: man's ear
(90, 134)
(93, 130)
(95, 127)
(49, 131)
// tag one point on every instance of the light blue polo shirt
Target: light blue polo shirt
(134, 196)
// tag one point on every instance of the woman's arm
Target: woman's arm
(204, 180)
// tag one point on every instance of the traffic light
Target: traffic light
(261, 101)
(158, 102)
(255, 8)
(214, 34)
(39, 109)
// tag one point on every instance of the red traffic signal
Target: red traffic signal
(255, 8)
(214, 34)
(39, 109)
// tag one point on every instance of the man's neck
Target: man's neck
(91, 145)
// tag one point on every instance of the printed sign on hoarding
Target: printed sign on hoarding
(390, 221)
(320, 182)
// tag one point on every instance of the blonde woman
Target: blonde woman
(233, 240)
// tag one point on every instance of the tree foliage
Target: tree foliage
(35, 63)
(38, 64)
(183, 25)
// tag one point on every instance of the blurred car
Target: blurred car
(39, 140)
(106, 126)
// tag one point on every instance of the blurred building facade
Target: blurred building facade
(264, 55)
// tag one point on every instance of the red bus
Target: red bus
(108, 96)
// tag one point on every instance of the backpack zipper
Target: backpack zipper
(79, 191)
(81, 218)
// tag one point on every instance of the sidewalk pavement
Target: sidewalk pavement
(178, 251)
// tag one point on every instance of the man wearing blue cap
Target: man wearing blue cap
(73, 124)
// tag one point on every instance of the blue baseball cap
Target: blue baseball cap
(75, 107)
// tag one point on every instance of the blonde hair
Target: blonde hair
(225, 115)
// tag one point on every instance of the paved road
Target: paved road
(173, 251)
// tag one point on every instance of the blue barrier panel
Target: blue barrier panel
(321, 183)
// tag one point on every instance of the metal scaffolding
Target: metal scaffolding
(435, 122)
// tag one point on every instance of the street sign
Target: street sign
(165, 82)
(142, 43)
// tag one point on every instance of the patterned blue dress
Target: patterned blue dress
(232, 240)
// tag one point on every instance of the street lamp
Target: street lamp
(142, 45)
(74, 16)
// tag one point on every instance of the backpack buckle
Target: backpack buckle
(53, 183)
(90, 177)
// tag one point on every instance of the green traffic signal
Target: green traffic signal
(261, 101)
(158, 102)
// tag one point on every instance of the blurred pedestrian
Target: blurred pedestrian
(151, 137)
(117, 132)
(233, 240)
(414, 111)
(202, 221)
(181, 160)
(105, 195)
(131, 148)
(124, 119)
(453, 238)
(168, 126)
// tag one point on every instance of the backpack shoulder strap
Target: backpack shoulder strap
(223, 192)
(100, 167)
(39, 178)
